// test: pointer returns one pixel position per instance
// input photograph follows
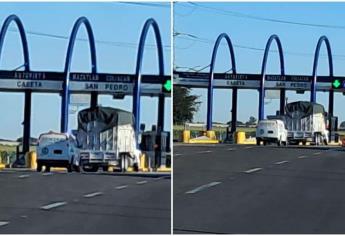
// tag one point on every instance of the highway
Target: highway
(244, 189)
(83, 203)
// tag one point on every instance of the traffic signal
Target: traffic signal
(167, 86)
(337, 84)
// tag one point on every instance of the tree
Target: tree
(185, 105)
(251, 121)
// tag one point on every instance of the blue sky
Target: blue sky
(208, 24)
(116, 22)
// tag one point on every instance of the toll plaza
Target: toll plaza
(261, 82)
(94, 83)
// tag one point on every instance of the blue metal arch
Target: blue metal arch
(315, 65)
(210, 84)
(137, 90)
(66, 93)
(27, 104)
(263, 71)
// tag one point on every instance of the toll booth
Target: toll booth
(156, 146)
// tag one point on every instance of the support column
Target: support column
(27, 122)
(282, 101)
(330, 112)
(234, 110)
(94, 100)
(161, 104)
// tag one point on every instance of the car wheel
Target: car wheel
(258, 141)
(47, 169)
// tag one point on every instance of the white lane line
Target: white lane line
(93, 194)
(3, 223)
(317, 153)
(231, 149)
(142, 182)
(252, 170)
(281, 162)
(208, 151)
(47, 174)
(53, 205)
(203, 187)
(248, 147)
(177, 154)
(300, 157)
(121, 187)
(23, 176)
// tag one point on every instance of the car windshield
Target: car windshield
(51, 138)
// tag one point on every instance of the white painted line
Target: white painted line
(142, 182)
(93, 194)
(252, 170)
(231, 149)
(121, 187)
(3, 223)
(23, 176)
(248, 147)
(300, 157)
(47, 174)
(280, 162)
(177, 154)
(204, 152)
(317, 153)
(53, 205)
(203, 187)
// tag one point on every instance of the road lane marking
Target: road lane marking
(252, 170)
(23, 176)
(208, 151)
(317, 153)
(300, 157)
(47, 174)
(53, 205)
(3, 223)
(281, 162)
(121, 187)
(231, 149)
(142, 182)
(203, 187)
(177, 154)
(248, 147)
(93, 194)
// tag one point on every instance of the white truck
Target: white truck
(106, 138)
(57, 150)
(271, 131)
(305, 122)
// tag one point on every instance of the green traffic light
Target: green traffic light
(336, 83)
(167, 85)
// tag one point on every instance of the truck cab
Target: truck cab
(57, 150)
(271, 131)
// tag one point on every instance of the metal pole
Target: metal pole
(210, 84)
(263, 73)
(65, 92)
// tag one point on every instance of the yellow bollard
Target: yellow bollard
(31, 158)
(143, 163)
(240, 137)
(186, 136)
(211, 134)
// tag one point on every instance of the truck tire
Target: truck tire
(69, 168)
(258, 141)
(279, 142)
(265, 143)
(76, 168)
(304, 143)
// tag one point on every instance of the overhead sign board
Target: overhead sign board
(81, 82)
(252, 81)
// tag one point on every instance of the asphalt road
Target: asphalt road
(69, 203)
(241, 189)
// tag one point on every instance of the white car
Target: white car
(57, 150)
(271, 131)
